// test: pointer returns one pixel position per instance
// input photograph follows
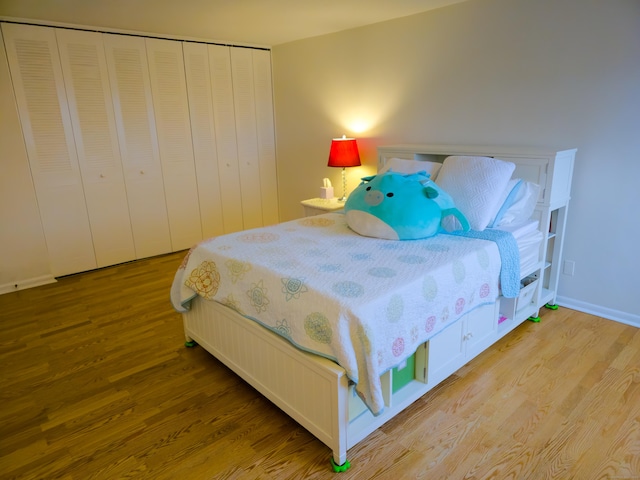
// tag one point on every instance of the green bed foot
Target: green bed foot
(534, 319)
(190, 344)
(552, 306)
(340, 468)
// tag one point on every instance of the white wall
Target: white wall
(517, 72)
(542, 73)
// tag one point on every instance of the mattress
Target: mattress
(365, 303)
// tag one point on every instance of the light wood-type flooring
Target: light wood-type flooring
(95, 383)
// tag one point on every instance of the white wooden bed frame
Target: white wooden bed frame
(316, 392)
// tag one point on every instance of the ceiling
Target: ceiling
(248, 22)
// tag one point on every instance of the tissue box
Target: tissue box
(326, 192)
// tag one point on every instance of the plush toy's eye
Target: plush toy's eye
(390, 194)
(368, 188)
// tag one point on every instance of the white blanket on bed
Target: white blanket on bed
(365, 303)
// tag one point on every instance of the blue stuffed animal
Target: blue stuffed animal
(396, 206)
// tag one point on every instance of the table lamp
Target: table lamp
(344, 153)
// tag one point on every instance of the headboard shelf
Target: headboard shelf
(532, 164)
(550, 168)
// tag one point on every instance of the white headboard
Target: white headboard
(532, 164)
(552, 169)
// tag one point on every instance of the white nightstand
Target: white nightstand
(317, 206)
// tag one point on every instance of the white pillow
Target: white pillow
(475, 185)
(401, 165)
(522, 207)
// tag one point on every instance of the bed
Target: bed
(343, 332)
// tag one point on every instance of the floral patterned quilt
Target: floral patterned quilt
(365, 303)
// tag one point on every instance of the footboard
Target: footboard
(315, 391)
(310, 389)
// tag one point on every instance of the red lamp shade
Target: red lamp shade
(344, 153)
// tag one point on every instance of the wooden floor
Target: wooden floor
(95, 383)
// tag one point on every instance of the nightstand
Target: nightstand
(317, 206)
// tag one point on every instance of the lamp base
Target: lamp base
(343, 198)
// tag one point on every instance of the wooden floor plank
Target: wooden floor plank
(95, 383)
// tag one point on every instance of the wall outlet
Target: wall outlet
(569, 267)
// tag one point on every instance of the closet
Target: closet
(140, 146)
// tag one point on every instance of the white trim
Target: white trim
(27, 283)
(599, 310)
(49, 23)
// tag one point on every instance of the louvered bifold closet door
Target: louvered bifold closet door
(247, 135)
(205, 149)
(266, 135)
(225, 128)
(87, 83)
(42, 104)
(135, 123)
(169, 92)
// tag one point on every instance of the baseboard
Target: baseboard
(604, 312)
(27, 283)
